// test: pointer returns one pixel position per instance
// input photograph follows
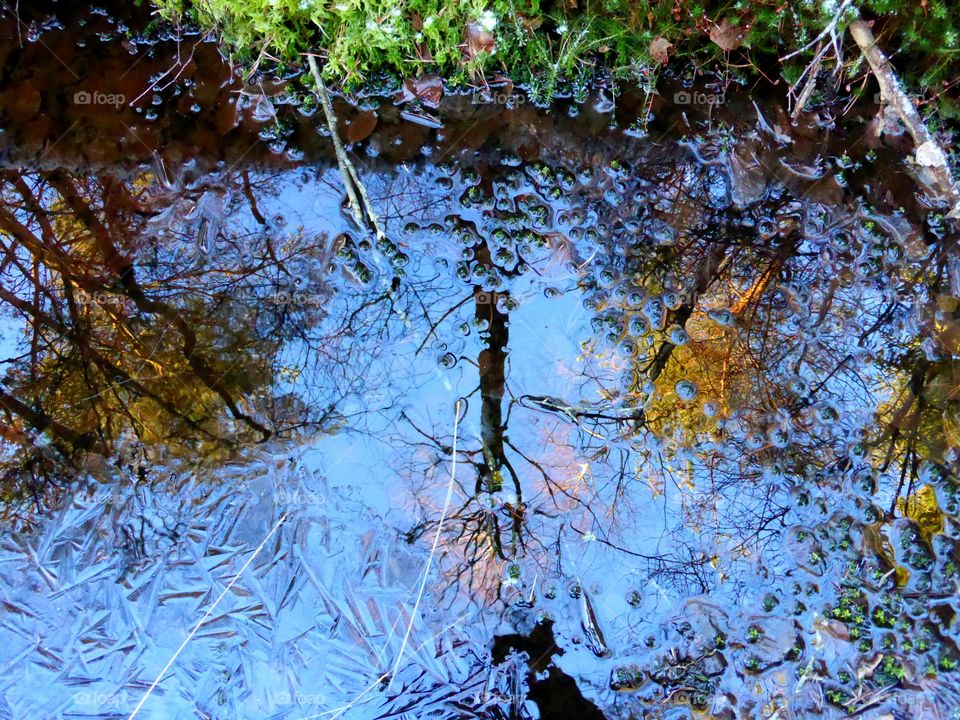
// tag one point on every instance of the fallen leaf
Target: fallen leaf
(660, 49)
(727, 35)
(429, 88)
(361, 126)
(478, 41)
(426, 88)
(423, 52)
(405, 94)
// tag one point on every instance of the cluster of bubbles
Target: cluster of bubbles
(365, 258)
(876, 581)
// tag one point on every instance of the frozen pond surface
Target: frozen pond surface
(706, 455)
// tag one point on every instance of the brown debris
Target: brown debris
(727, 35)
(660, 49)
(477, 40)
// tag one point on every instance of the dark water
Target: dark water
(706, 362)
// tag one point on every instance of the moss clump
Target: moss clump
(837, 697)
(890, 671)
(882, 618)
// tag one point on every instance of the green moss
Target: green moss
(890, 671)
(837, 697)
(557, 47)
(843, 613)
(883, 619)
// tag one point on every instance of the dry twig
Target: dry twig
(929, 156)
(360, 204)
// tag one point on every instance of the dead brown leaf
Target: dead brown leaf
(405, 94)
(361, 126)
(423, 52)
(477, 41)
(660, 50)
(727, 35)
(429, 88)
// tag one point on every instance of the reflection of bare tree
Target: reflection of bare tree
(784, 331)
(128, 333)
(771, 312)
(736, 359)
(480, 527)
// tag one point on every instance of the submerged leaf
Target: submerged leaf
(361, 126)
